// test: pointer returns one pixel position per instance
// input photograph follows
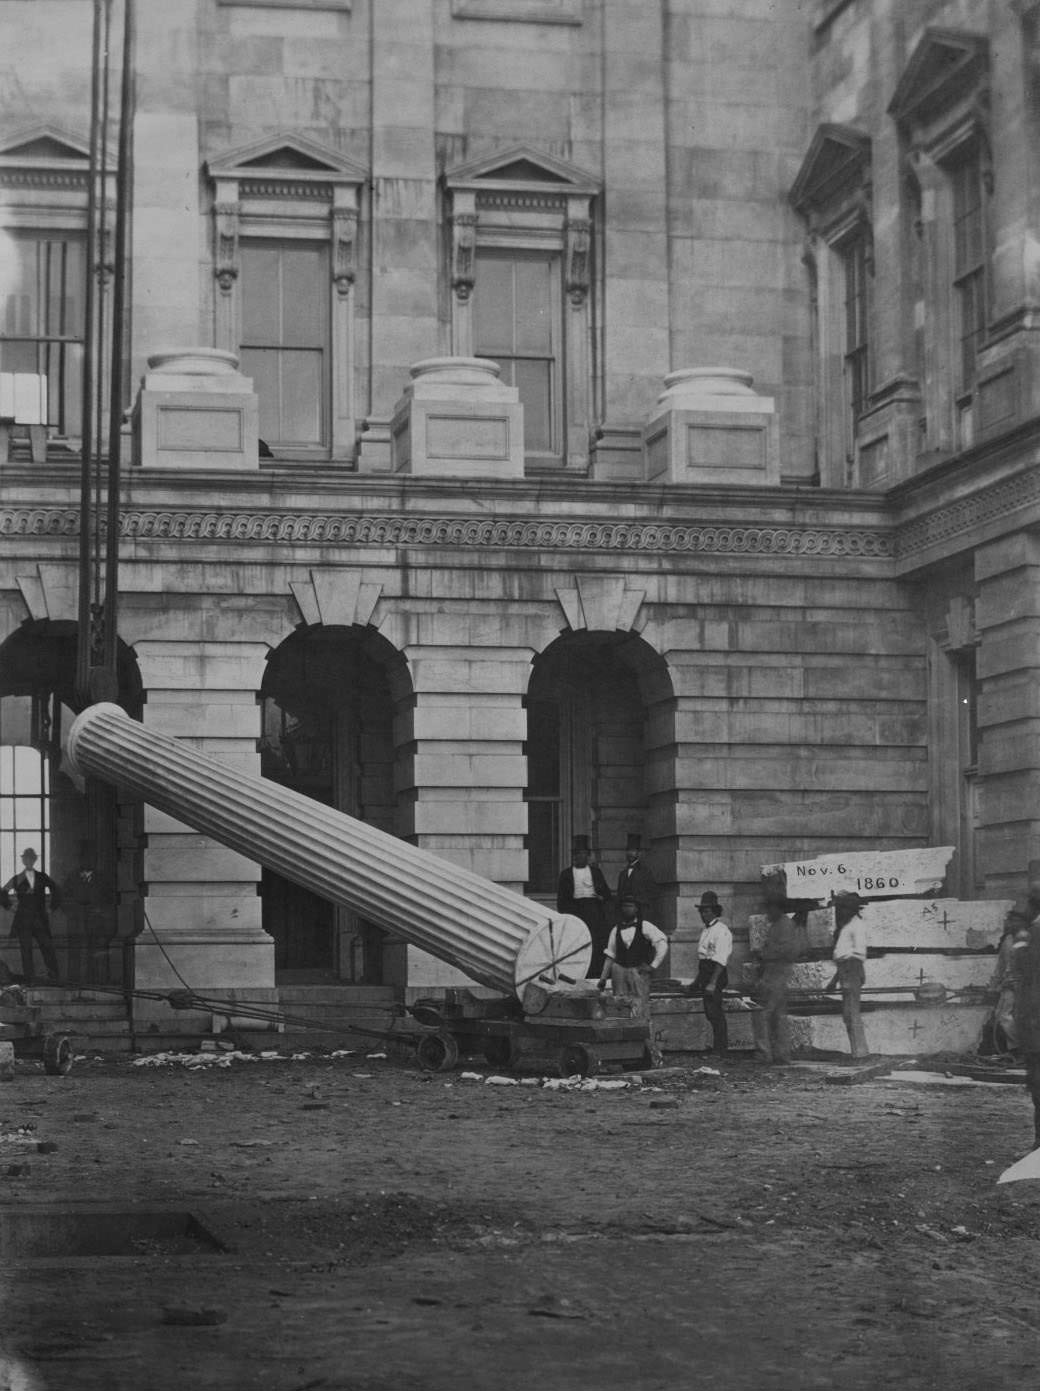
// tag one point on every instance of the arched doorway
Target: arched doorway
(79, 831)
(599, 714)
(329, 697)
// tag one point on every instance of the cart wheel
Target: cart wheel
(437, 1052)
(57, 1055)
(575, 1060)
(498, 1051)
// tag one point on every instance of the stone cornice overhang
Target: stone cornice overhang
(244, 517)
(978, 496)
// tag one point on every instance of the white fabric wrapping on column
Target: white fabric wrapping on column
(496, 936)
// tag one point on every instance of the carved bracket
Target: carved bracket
(344, 248)
(463, 253)
(225, 268)
(579, 232)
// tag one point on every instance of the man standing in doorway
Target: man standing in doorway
(713, 953)
(583, 891)
(33, 892)
(636, 878)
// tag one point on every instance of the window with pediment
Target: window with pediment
(833, 194)
(521, 246)
(44, 189)
(285, 214)
(941, 107)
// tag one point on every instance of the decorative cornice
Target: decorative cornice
(329, 528)
(967, 515)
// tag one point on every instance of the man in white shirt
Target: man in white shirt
(850, 955)
(713, 953)
(634, 950)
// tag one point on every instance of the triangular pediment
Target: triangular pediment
(943, 68)
(525, 167)
(45, 144)
(291, 156)
(838, 157)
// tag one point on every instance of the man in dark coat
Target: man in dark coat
(636, 878)
(582, 890)
(33, 892)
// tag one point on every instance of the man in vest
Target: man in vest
(634, 950)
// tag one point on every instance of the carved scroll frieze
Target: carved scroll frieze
(373, 529)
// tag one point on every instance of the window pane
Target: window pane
(533, 308)
(301, 397)
(304, 296)
(493, 307)
(535, 382)
(261, 364)
(261, 295)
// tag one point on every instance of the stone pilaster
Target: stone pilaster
(167, 224)
(467, 726)
(201, 899)
(1007, 613)
(405, 243)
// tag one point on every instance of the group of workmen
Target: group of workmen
(627, 952)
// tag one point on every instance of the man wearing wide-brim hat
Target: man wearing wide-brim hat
(850, 956)
(713, 953)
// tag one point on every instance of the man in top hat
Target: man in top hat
(850, 956)
(583, 891)
(636, 878)
(34, 892)
(713, 953)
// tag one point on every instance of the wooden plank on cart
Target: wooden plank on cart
(871, 874)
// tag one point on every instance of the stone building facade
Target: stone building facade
(550, 417)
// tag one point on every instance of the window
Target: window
(24, 807)
(854, 259)
(44, 192)
(41, 320)
(522, 253)
(832, 193)
(941, 107)
(285, 216)
(969, 260)
(516, 321)
(284, 345)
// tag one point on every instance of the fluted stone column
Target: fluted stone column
(496, 937)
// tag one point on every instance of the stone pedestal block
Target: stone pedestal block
(709, 426)
(196, 411)
(457, 419)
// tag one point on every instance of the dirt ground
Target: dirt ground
(387, 1228)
